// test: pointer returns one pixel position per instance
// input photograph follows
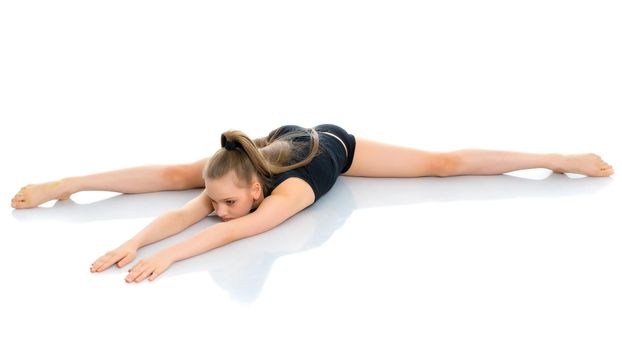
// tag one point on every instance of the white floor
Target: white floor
(391, 261)
(526, 260)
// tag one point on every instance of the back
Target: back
(322, 172)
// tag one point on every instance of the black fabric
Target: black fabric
(322, 172)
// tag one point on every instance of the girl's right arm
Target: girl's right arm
(165, 225)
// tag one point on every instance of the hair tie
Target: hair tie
(228, 145)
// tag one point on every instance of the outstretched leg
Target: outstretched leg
(375, 159)
(141, 179)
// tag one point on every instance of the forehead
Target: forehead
(223, 187)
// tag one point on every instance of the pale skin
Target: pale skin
(233, 200)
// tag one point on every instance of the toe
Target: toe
(23, 205)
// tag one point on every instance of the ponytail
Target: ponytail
(243, 155)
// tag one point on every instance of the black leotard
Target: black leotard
(335, 158)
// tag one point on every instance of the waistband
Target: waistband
(338, 138)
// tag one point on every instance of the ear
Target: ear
(256, 190)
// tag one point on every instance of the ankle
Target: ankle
(69, 185)
(556, 162)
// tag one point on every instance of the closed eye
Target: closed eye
(227, 202)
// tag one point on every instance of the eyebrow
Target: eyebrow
(226, 199)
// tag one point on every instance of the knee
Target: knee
(447, 164)
(178, 176)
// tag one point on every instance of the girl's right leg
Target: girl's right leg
(141, 179)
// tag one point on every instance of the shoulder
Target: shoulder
(291, 180)
(297, 188)
(289, 197)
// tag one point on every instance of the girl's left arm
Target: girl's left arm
(287, 199)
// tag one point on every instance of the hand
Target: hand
(122, 256)
(150, 267)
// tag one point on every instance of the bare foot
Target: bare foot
(31, 196)
(589, 164)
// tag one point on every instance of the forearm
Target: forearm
(210, 238)
(165, 225)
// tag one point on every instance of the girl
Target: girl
(254, 185)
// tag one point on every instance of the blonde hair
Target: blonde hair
(263, 157)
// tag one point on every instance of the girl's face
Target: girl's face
(231, 198)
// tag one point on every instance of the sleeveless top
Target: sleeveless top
(333, 159)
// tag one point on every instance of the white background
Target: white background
(525, 260)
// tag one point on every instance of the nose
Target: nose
(221, 212)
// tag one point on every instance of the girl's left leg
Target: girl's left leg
(375, 159)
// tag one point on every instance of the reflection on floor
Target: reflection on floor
(242, 268)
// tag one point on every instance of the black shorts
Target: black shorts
(345, 139)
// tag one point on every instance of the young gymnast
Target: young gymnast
(254, 185)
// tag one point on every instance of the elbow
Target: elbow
(177, 217)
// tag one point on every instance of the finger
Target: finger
(144, 274)
(98, 264)
(130, 277)
(136, 271)
(99, 261)
(124, 261)
(155, 274)
(106, 257)
(146, 271)
(138, 264)
(106, 262)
